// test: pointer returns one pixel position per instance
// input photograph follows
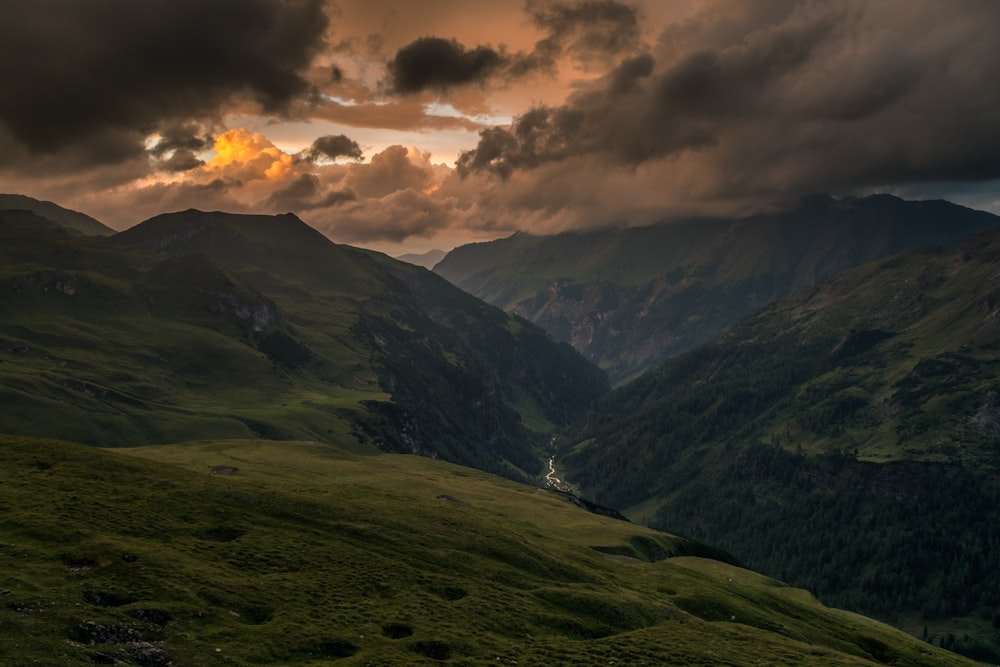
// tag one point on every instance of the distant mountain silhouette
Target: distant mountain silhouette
(628, 299)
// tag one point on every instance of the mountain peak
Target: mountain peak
(281, 245)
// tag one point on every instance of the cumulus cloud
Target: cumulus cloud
(395, 168)
(586, 30)
(393, 198)
(795, 97)
(331, 147)
(437, 63)
(304, 193)
(400, 215)
(176, 146)
(95, 78)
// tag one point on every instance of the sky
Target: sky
(406, 126)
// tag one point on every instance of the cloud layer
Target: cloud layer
(586, 31)
(95, 78)
(791, 97)
(661, 108)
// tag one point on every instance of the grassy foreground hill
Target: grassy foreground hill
(199, 325)
(296, 553)
(628, 299)
(846, 440)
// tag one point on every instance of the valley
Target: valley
(611, 333)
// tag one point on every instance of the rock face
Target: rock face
(986, 421)
(631, 298)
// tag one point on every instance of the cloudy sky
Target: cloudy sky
(405, 126)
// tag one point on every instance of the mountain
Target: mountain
(628, 299)
(294, 553)
(19, 210)
(194, 325)
(846, 440)
(425, 259)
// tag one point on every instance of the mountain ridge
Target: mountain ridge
(628, 299)
(73, 222)
(844, 439)
(288, 335)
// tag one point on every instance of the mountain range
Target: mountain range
(846, 439)
(194, 325)
(628, 299)
(251, 377)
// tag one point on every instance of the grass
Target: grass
(298, 553)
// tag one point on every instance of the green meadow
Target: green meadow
(297, 553)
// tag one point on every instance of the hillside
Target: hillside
(846, 440)
(291, 553)
(628, 299)
(195, 325)
(20, 210)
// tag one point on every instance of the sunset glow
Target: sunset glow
(539, 116)
(240, 148)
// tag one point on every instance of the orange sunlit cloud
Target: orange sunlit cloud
(250, 156)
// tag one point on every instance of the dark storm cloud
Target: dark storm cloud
(395, 217)
(796, 96)
(305, 193)
(333, 146)
(74, 72)
(178, 144)
(437, 63)
(586, 30)
(599, 122)
(181, 160)
(185, 136)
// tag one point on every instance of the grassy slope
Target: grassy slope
(104, 345)
(308, 554)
